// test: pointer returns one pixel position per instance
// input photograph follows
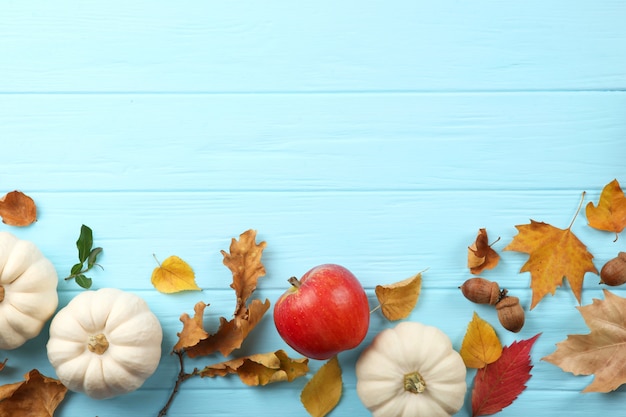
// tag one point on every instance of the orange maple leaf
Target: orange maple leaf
(554, 254)
(601, 352)
(610, 213)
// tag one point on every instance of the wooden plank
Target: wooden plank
(386, 142)
(273, 46)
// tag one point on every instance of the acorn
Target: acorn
(510, 313)
(614, 271)
(482, 291)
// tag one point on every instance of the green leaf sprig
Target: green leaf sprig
(86, 253)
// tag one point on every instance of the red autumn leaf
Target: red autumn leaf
(499, 384)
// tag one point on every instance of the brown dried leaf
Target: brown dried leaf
(3, 364)
(193, 329)
(244, 261)
(37, 396)
(398, 300)
(231, 333)
(18, 209)
(260, 369)
(480, 255)
(323, 392)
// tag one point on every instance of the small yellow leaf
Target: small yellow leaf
(323, 392)
(398, 300)
(174, 275)
(481, 345)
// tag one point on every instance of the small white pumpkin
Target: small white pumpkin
(28, 291)
(105, 343)
(411, 370)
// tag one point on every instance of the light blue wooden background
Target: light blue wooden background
(378, 135)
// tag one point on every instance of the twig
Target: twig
(182, 376)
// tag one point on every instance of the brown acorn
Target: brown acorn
(614, 271)
(482, 291)
(510, 313)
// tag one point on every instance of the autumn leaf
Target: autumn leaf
(480, 255)
(260, 369)
(398, 300)
(37, 395)
(244, 261)
(323, 392)
(18, 209)
(174, 275)
(610, 213)
(481, 345)
(497, 385)
(3, 364)
(193, 328)
(600, 352)
(554, 254)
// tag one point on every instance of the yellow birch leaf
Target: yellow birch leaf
(323, 392)
(174, 275)
(398, 300)
(481, 345)
(260, 369)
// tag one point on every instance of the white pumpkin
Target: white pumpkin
(411, 370)
(105, 343)
(28, 291)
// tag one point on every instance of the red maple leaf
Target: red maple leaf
(497, 385)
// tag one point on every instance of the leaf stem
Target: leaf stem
(182, 377)
(580, 206)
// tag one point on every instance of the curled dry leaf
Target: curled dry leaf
(37, 395)
(496, 386)
(610, 213)
(481, 345)
(174, 275)
(323, 392)
(554, 254)
(3, 364)
(244, 261)
(600, 352)
(398, 300)
(260, 369)
(17, 209)
(480, 255)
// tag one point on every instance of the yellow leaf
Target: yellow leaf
(323, 392)
(481, 345)
(174, 275)
(610, 213)
(260, 369)
(398, 300)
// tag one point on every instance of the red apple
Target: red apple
(323, 313)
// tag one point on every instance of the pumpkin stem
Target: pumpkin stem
(1, 293)
(414, 383)
(98, 344)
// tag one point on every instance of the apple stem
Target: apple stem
(295, 282)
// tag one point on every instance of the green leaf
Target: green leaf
(91, 260)
(83, 281)
(76, 269)
(84, 243)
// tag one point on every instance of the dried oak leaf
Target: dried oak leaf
(480, 255)
(323, 392)
(17, 209)
(174, 275)
(600, 352)
(496, 386)
(481, 345)
(554, 254)
(244, 261)
(610, 213)
(398, 300)
(37, 395)
(260, 369)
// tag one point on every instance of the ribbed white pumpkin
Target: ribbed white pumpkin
(105, 343)
(28, 291)
(411, 370)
